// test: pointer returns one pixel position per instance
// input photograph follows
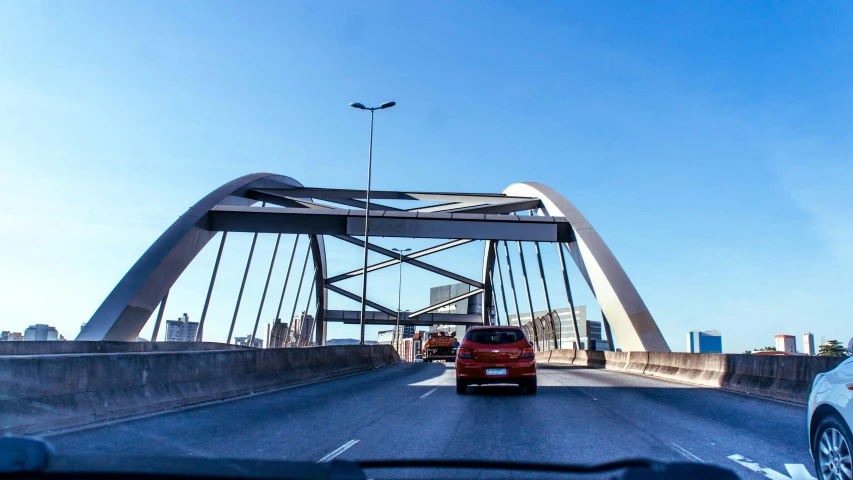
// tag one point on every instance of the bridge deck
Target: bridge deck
(412, 411)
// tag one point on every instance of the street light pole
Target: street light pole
(367, 207)
(399, 293)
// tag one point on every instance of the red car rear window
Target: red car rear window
(495, 337)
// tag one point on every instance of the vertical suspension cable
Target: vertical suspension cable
(298, 291)
(536, 333)
(243, 283)
(159, 317)
(495, 300)
(264, 294)
(286, 278)
(198, 336)
(302, 338)
(512, 285)
(501, 278)
(545, 289)
(569, 296)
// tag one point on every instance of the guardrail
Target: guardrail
(47, 392)
(57, 348)
(781, 377)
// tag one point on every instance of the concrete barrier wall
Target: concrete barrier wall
(54, 348)
(46, 392)
(781, 377)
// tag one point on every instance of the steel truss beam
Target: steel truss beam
(447, 302)
(501, 208)
(409, 260)
(332, 221)
(395, 261)
(381, 318)
(357, 298)
(327, 193)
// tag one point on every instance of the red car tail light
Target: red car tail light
(464, 353)
(527, 353)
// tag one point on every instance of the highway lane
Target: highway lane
(412, 411)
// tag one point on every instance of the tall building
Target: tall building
(808, 344)
(41, 332)
(786, 343)
(704, 342)
(278, 335)
(301, 329)
(181, 330)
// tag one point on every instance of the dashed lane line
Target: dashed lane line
(428, 393)
(685, 453)
(337, 451)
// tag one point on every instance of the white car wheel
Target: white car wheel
(833, 460)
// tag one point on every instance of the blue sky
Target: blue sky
(707, 142)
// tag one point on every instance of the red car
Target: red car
(490, 355)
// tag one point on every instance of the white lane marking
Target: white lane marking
(685, 453)
(797, 471)
(337, 451)
(427, 393)
(585, 393)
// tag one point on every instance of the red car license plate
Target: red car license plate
(495, 371)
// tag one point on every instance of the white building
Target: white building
(786, 343)
(40, 332)
(386, 337)
(181, 330)
(808, 344)
(244, 341)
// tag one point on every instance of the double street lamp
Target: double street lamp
(367, 208)
(399, 292)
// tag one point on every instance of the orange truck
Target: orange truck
(440, 347)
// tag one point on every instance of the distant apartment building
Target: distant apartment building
(808, 344)
(40, 332)
(710, 341)
(7, 336)
(244, 341)
(786, 343)
(385, 337)
(471, 305)
(444, 293)
(181, 330)
(278, 334)
(301, 329)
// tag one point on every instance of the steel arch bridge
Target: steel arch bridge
(546, 217)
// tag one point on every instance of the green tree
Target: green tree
(766, 349)
(832, 348)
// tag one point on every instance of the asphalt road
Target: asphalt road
(412, 411)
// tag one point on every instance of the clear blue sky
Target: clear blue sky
(708, 142)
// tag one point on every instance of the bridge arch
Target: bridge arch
(631, 323)
(124, 312)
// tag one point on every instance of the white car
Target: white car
(830, 416)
